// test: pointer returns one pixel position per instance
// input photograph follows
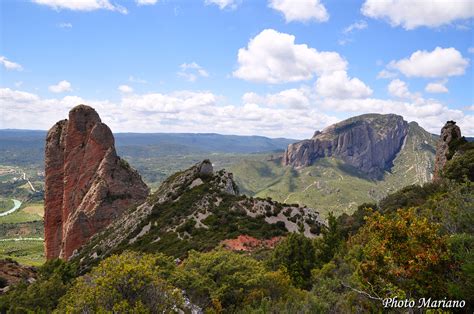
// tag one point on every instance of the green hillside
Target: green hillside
(332, 185)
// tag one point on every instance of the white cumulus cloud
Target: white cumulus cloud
(441, 62)
(411, 14)
(82, 5)
(294, 98)
(179, 111)
(192, 71)
(301, 10)
(61, 87)
(399, 88)
(125, 89)
(338, 85)
(384, 74)
(10, 65)
(437, 87)
(273, 57)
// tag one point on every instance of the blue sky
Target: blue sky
(273, 67)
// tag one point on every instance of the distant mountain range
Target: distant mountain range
(27, 146)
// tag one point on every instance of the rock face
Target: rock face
(87, 186)
(368, 142)
(449, 133)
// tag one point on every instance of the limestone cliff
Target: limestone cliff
(368, 142)
(87, 186)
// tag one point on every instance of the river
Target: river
(16, 205)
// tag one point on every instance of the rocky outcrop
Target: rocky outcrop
(368, 142)
(197, 208)
(449, 133)
(12, 273)
(87, 186)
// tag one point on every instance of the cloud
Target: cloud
(384, 74)
(61, 87)
(192, 71)
(470, 50)
(134, 79)
(301, 10)
(146, 2)
(359, 25)
(82, 5)
(9, 65)
(65, 25)
(203, 111)
(339, 85)
(180, 111)
(223, 4)
(437, 87)
(125, 89)
(273, 57)
(441, 62)
(411, 14)
(430, 114)
(399, 88)
(294, 98)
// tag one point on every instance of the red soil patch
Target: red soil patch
(248, 243)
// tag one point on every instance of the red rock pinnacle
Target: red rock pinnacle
(87, 185)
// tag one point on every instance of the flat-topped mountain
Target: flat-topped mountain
(358, 160)
(368, 142)
(86, 184)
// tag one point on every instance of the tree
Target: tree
(297, 255)
(330, 242)
(403, 255)
(219, 278)
(129, 282)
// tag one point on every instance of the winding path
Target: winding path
(16, 205)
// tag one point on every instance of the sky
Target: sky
(277, 68)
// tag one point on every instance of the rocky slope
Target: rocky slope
(449, 134)
(368, 142)
(197, 209)
(87, 186)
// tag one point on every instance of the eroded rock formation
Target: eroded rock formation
(449, 133)
(87, 185)
(368, 142)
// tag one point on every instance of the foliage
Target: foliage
(409, 196)
(129, 282)
(402, 255)
(232, 282)
(350, 224)
(461, 285)
(42, 296)
(297, 255)
(330, 242)
(219, 277)
(460, 168)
